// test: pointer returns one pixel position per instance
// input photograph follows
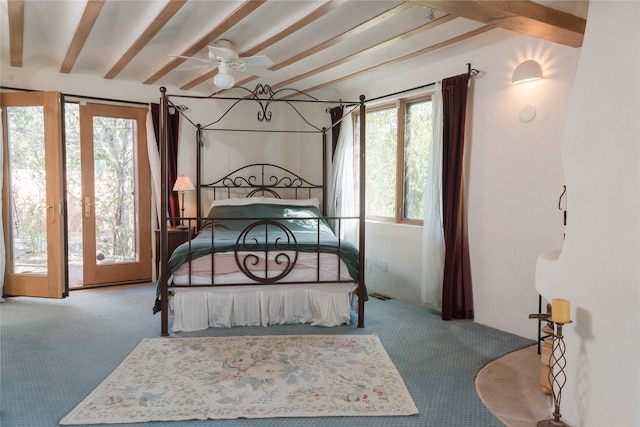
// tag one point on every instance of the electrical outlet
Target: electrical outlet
(383, 266)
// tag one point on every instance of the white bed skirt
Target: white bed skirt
(195, 309)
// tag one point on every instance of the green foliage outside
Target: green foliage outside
(74, 183)
(381, 155)
(25, 156)
(115, 197)
(418, 135)
(381, 152)
(113, 145)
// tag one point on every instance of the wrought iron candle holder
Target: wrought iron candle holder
(557, 376)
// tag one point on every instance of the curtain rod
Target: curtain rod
(394, 94)
(95, 98)
(92, 98)
(471, 71)
(400, 92)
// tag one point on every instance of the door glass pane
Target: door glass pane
(115, 199)
(28, 210)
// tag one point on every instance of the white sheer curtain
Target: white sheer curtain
(343, 200)
(432, 231)
(156, 185)
(154, 163)
(2, 248)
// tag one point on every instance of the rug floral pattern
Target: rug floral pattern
(249, 377)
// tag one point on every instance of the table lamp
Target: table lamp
(183, 183)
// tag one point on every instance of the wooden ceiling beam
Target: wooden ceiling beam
(386, 15)
(522, 16)
(89, 18)
(172, 7)
(400, 60)
(15, 10)
(368, 51)
(315, 14)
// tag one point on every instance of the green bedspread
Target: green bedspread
(312, 234)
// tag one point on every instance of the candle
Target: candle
(560, 310)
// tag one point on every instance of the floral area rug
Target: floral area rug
(248, 377)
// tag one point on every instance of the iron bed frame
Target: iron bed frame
(264, 97)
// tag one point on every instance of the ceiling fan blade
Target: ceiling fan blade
(205, 60)
(256, 71)
(257, 61)
(197, 67)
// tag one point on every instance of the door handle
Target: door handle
(87, 207)
(51, 212)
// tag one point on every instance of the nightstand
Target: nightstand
(175, 238)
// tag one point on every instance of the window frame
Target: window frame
(401, 117)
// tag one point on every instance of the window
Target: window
(398, 143)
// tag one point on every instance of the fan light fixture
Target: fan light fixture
(527, 71)
(228, 62)
(224, 79)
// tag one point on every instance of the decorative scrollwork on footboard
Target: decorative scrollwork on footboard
(275, 237)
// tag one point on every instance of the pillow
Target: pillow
(266, 200)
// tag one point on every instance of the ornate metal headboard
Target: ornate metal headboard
(262, 179)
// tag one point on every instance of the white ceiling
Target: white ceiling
(352, 38)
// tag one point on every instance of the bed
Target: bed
(265, 253)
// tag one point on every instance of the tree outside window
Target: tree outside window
(398, 149)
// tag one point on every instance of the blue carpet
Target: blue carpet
(55, 352)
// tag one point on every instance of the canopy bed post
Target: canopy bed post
(164, 203)
(324, 170)
(361, 286)
(198, 169)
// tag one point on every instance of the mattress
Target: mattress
(303, 266)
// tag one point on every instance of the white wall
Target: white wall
(598, 267)
(514, 176)
(515, 179)
(392, 265)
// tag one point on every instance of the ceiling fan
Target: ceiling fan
(222, 55)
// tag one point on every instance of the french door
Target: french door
(115, 199)
(76, 195)
(33, 199)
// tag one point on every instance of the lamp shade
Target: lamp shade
(527, 71)
(183, 183)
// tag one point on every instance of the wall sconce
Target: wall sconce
(183, 183)
(527, 71)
